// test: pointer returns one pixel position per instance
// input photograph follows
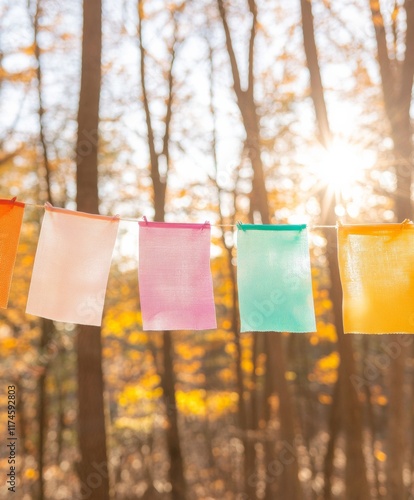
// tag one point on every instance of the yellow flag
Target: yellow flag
(376, 265)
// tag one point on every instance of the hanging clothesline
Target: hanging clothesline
(274, 275)
(129, 219)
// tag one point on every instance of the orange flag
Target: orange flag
(11, 216)
(377, 274)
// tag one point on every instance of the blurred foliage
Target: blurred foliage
(199, 189)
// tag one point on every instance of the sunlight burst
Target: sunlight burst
(342, 166)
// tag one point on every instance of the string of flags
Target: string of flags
(74, 252)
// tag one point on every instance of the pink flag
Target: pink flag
(176, 288)
(71, 267)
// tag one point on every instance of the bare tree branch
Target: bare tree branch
(46, 162)
(168, 113)
(159, 180)
(317, 90)
(230, 50)
(386, 70)
(151, 140)
(253, 10)
(407, 72)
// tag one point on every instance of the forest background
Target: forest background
(194, 110)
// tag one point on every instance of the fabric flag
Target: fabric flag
(71, 267)
(377, 273)
(175, 283)
(11, 216)
(274, 278)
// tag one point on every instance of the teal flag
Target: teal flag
(274, 279)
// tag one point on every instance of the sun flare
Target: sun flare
(342, 166)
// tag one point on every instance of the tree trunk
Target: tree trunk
(373, 426)
(289, 485)
(259, 200)
(356, 479)
(92, 439)
(93, 469)
(60, 374)
(334, 428)
(46, 331)
(176, 472)
(401, 132)
(316, 86)
(397, 82)
(46, 324)
(248, 464)
(159, 184)
(357, 486)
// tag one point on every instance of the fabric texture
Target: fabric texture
(377, 275)
(71, 267)
(274, 279)
(11, 216)
(175, 283)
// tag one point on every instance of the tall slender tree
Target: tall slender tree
(397, 83)
(47, 326)
(288, 485)
(158, 159)
(356, 479)
(234, 322)
(92, 439)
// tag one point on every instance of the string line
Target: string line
(128, 219)
(405, 223)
